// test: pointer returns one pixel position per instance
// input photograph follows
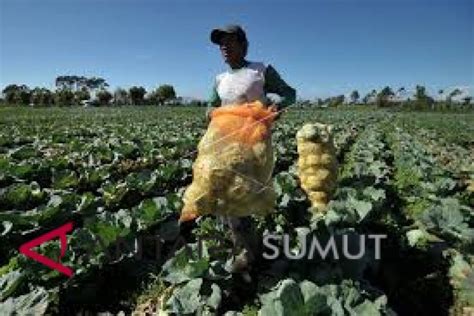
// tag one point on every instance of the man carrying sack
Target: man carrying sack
(232, 173)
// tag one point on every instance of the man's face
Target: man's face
(232, 50)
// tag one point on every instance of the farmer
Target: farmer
(245, 81)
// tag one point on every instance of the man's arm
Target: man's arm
(213, 102)
(275, 84)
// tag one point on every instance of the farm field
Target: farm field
(118, 175)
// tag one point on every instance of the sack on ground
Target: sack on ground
(317, 164)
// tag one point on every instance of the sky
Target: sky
(321, 48)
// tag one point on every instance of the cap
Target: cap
(216, 34)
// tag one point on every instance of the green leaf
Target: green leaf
(186, 300)
(114, 193)
(9, 283)
(21, 196)
(367, 308)
(363, 208)
(109, 226)
(65, 179)
(447, 219)
(88, 204)
(7, 227)
(374, 194)
(306, 298)
(314, 300)
(461, 274)
(24, 152)
(151, 211)
(184, 266)
(33, 303)
(214, 300)
(285, 300)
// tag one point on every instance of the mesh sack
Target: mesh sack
(233, 169)
(317, 164)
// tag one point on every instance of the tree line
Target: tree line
(80, 90)
(388, 98)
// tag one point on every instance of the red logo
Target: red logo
(60, 232)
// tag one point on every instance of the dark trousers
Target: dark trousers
(243, 234)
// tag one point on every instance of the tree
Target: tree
(17, 94)
(41, 97)
(95, 83)
(420, 92)
(383, 98)
(441, 102)
(36, 96)
(104, 97)
(64, 97)
(354, 96)
(365, 99)
(197, 103)
(82, 95)
(80, 84)
(369, 97)
(467, 100)
(400, 95)
(303, 103)
(162, 94)
(336, 101)
(73, 82)
(137, 95)
(121, 97)
(63, 82)
(455, 93)
(23, 96)
(47, 97)
(10, 93)
(422, 100)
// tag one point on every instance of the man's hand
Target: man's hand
(274, 108)
(208, 113)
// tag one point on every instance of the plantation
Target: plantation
(119, 174)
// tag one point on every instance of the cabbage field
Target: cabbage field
(118, 174)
